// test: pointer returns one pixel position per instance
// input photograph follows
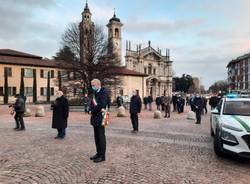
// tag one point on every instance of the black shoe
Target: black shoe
(99, 159)
(197, 123)
(94, 157)
(21, 129)
(57, 137)
(16, 128)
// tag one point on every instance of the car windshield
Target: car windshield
(237, 108)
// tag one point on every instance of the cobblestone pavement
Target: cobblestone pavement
(171, 151)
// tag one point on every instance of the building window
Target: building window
(1, 91)
(12, 91)
(116, 32)
(149, 69)
(52, 93)
(121, 92)
(28, 91)
(64, 74)
(28, 72)
(154, 71)
(9, 71)
(145, 70)
(44, 74)
(52, 74)
(41, 74)
(43, 91)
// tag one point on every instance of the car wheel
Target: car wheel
(218, 149)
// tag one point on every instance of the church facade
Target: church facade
(146, 70)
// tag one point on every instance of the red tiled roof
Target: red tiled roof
(9, 52)
(125, 71)
(13, 60)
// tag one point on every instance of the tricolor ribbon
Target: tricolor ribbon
(105, 113)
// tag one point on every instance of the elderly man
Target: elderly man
(97, 107)
(135, 108)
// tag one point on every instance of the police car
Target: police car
(230, 126)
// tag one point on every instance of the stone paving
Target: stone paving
(171, 151)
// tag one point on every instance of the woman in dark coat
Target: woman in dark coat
(60, 115)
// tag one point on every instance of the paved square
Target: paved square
(167, 151)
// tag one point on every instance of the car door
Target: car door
(216, 115)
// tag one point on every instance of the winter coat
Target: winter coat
(158, 100)
(135, 104)
(198, 104)
(150, 99)
(213, 102)
(60, 113)
(145, 100)
(19, 105)
(101, 98)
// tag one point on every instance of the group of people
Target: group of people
(97, 108)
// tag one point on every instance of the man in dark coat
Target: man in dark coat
(98, 105)
(19, 108)
(174, 100)
(198, 104)
(150, 100)
(158, 102)
(60, 114)
(135, 108)
(213, 101)
(119, 101)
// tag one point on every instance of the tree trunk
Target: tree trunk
(34, 86)
(48, 87)
(6, 91)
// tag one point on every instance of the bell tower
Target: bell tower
(115, 38)
(86, 28)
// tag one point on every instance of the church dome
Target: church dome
(114, 18)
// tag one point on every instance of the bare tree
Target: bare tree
(93, 59)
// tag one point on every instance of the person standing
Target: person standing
(97, 108)
(213, 101)
(174, 100)
(135, 108)
(150, 100)
(167, 106)
(19, 108)
(198, 105)
(158, 103)
(60, 115)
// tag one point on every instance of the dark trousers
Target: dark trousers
(167, 111)
(158, 107)
(134, 120)
(61, 132)
(198, 116)
(19, 120)
(100, 140)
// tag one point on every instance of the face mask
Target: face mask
(94, 88)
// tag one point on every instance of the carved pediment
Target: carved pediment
(152, 56)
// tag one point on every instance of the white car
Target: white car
(230, 126)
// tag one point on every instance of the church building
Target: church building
(146, 70)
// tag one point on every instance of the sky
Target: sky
(202, 35)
